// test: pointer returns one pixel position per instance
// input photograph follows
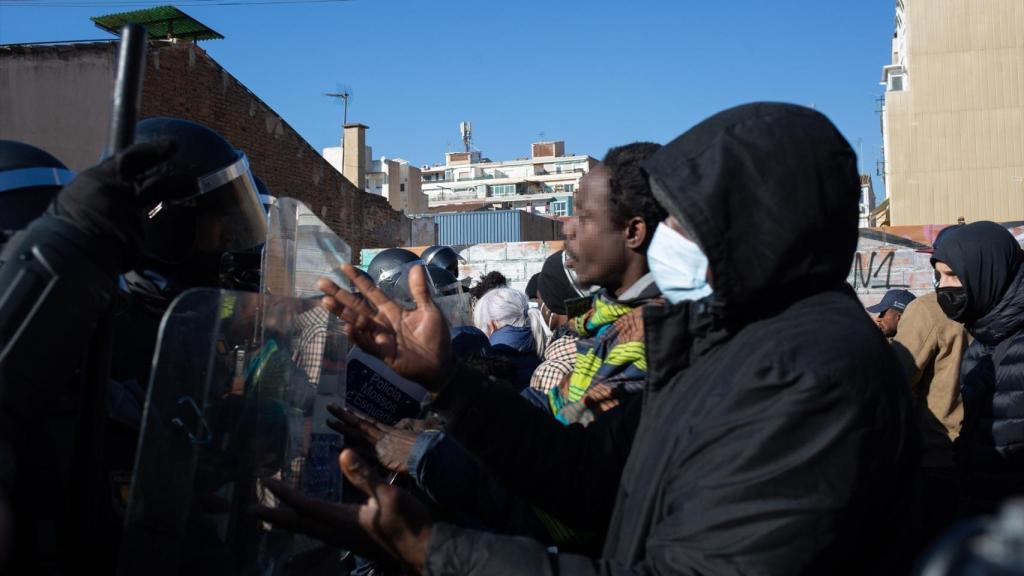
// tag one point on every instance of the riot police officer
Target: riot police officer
(191, 239)
(442, 257)
(58, 276)
(386, 267)
(29, 179)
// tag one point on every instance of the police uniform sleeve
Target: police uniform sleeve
(54, 286)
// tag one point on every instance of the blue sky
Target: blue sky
(595, 74)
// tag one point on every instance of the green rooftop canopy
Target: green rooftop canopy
(159, 22)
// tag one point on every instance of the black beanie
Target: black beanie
(553, 284)
(531, 287)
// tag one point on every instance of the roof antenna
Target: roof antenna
(344, 94)
(466, 129)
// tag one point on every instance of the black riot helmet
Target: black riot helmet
(442, 282)
(29, 179)
(386, 266)
(186, 236)
(364, 274)
(443, 257)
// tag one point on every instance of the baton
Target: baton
(124, 115)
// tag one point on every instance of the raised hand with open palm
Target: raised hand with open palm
(414, 343)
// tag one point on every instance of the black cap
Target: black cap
(553, 285)
(469, 341)
(531, 287)
(895, 298)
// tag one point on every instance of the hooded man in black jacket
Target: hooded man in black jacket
(774, 437)
(980, 270)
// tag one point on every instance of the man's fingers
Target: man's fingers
(332, 305)
(418, 287)
(358, 314)
(353, 440)
(358, 280)
(365, 286)
(359, 473)
(319, 510)
(363, 338)
(367, 428)
(327, 286)
(349, 415)
(355, 432)
(289, 519)
(283, 491)
(360, 304)
(409, 424)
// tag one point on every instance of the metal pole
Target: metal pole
(127, 88)
(96, 490)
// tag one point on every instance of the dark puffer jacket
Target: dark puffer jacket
(775, 435)
(990, 264)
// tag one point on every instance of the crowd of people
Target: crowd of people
(690, 386)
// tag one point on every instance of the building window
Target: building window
(895, 78)
(559, 208)
(503, 190)
(401, 187)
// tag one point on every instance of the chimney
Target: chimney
(547, 149)
(354, 154)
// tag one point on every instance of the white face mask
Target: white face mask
(678, 265)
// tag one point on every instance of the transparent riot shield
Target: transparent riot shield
(300, 249)
(238, 395)
(454, 303)
(447, 293)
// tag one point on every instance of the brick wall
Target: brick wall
(58, 97)
(183, 81)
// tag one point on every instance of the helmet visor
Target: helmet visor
(229, 214)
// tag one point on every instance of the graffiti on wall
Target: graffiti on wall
(873, 270)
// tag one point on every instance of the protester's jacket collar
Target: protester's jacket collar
(606, 308)
(988, 261)
(678, 335)
(1006, 318)
(641, 291)
(519, 338)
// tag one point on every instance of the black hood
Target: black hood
(770, 192)
(987, 259)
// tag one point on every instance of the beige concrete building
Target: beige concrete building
(403, 183)
(953, 118)
(392, 178)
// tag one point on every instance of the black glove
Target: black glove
(109, 200)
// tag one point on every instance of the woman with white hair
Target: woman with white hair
(515, 330)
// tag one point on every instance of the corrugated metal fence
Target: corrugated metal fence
(495, 226)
